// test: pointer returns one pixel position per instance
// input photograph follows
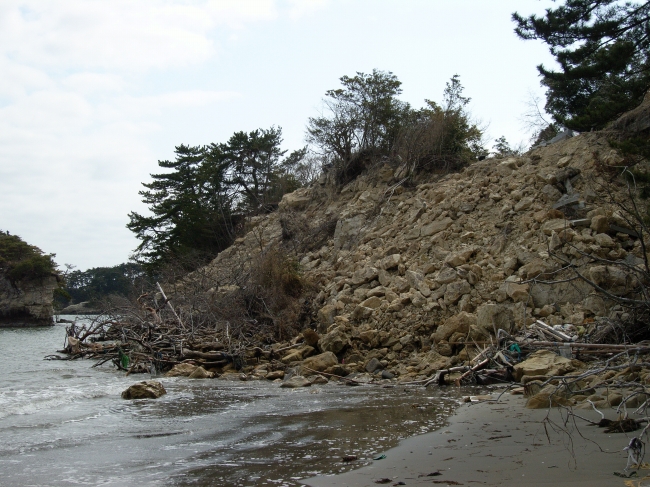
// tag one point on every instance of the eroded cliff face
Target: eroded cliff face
(28, 303)
(411, 273)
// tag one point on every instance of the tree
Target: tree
(364, 115)
(197, 203)
(252, 166)
(440, 137)
(20, 261)
(100, 282)
(191, 210)
(602, 47)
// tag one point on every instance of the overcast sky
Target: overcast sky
(94, 92)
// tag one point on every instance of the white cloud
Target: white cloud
(302, 8)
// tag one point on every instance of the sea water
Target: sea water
(64, 423)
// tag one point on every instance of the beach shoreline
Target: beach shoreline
(502, 443)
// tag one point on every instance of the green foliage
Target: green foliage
(362, 117)
(602, 48)
(252, 167)
(198, 202)
(440, 137)
(365, 121)
(100, 282)
(191, 211)
(21, 261)
(502, 148)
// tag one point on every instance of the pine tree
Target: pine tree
(602, 47)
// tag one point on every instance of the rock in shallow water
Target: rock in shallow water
(296, 381)
(148, 389)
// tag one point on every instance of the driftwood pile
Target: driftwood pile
(152, 339)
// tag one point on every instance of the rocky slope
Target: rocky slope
(411, 273)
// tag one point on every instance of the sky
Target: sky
(93, 92)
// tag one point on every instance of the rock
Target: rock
(181, 370)
(518, 292)
(326, 315)
(372, 365)
(295, 356)
(599, 224)
(436, 227)
(311, 337)
(555, 225)
(390, 262)
(360, 313)
(364, 275)
(446, 275)
(373, 303)
(494, 317)
(604, 240)
(297, 200)
(276, 374)
(546, 363)
(318, 379)
(27, 302)
(459, 323)
(455, 291)
(148, 389)
(387, 375)
(347, 231)
(321, 362)
(200, 373)
(544, 400)
(296, 381)
(335, 341)
(338, 370)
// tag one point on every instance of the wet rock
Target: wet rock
(296, 381)
(148, 389)
(181, 370)
(200, 373)
(387, 375)
(321, 362)
(318, 379)
(276, 374)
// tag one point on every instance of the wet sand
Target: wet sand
(502, 444)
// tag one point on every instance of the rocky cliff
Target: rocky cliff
(28, 302)
(411, 272)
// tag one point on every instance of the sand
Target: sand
(502, 443)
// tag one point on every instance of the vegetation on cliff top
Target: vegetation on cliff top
(20, 261)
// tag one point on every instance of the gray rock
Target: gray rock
(372, 365)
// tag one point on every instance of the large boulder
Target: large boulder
(335, 341)
(200, 373)
(459, 323)
(320, 362)
(545, 363)
(148, 389)
(297, 200)
(181, 370)
(347, 230)
(493, 317)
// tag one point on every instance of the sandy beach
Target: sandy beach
(502, 443)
